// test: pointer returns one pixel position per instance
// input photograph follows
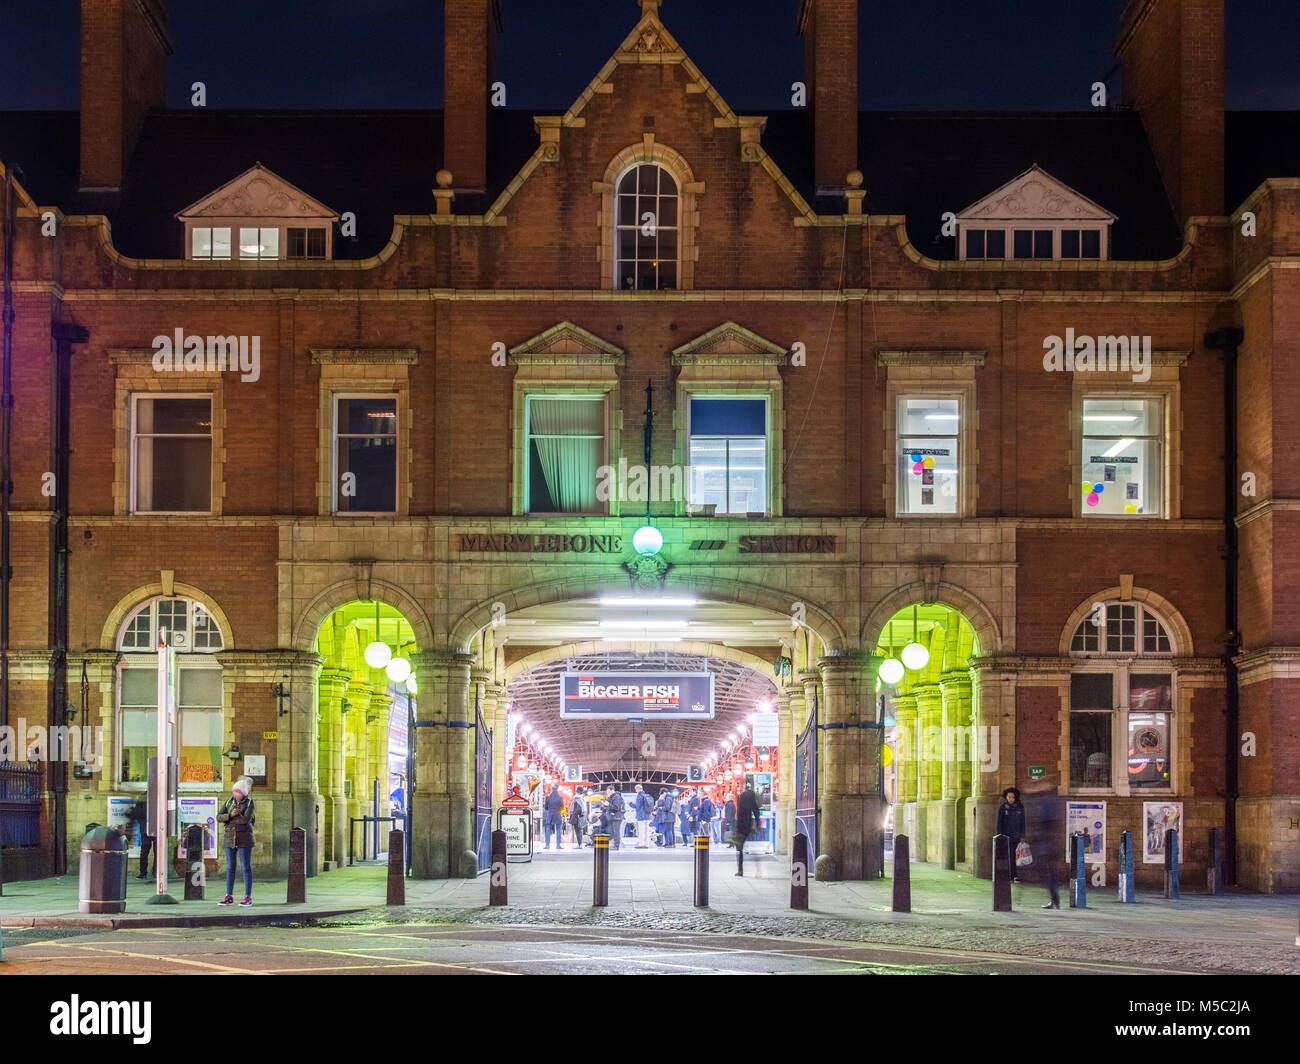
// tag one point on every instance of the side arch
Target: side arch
(1179, 631)
(988, 635)
(309, 622)
(132, 600)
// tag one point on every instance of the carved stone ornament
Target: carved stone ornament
(647, 572)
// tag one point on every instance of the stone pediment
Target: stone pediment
(1035, 195)
(566, 344)
(257, 193)
(729, 344)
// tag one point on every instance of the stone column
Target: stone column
(850, 829)
(995, 708)
(494, 711)
(333, 686)
(381, 702)
(929, 710)
(907, 818)
(291, 799)
(959, 751)
(442, 843)
(784, 807)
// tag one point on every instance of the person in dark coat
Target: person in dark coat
(746, 824)
(644, 809)
(729, 817)
(552, 807)
(664, 818)
(1047, 838)
(137, 817)
(684, 817)
(1011, 822)
(239, 817)
(705, 814)
(578, 817)
(615, 810)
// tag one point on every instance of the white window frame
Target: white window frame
(147, 661)
(768, 457)
(1161, 437)
(210, 229)
(133, 472)
(1008, 230)
(335, 397)
(959, 439)
(603, 397)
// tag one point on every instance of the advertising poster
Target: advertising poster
(762, 784)
(118, 810)
(637, 695)
(767, 729)
(1089, 818)
(1157, 818)
(198, 811)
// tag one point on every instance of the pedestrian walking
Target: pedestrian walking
(1011, 823)
(684, 818)
(239, 817)
(729, 816)
(706, 812)
(137, 819)
(678, 821)
(644, 809)
(693, 815)
(551, 809)
(578, 817)
(615, 809)
(746, 824)
(1047, 834)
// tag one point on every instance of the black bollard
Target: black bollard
(1126, 886)
(1171, 864)
(799, 872)
(601, 882)
(497, 893)
(1078, 873)
(1214, 874)
(396, 866)
(297, 893)
(194, 870)
(701, 871)
(902, 874)
(1001, 873)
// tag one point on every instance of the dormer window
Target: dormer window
(1034, 217)
(258, 216)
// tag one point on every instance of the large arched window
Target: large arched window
(1122, 697)
(647, 208)
(199, 733)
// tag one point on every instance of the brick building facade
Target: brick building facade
(797, 259)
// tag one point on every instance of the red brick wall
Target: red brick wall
(468, 50)
(831, 72)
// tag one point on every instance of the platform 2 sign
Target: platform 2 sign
(636, 695)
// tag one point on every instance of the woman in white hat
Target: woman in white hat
(238, 816)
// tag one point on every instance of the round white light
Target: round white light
(410, 684)
(521, 761)
(378, 654)
(891, 670)
(398, 670)
(647, 540)
(915, 656)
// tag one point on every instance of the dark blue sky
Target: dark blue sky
(916, 54)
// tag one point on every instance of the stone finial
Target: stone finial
(444, 178)
(854, 178)
(443, 194)
(854, 193)
(649, 7)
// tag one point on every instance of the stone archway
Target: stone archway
(313, 615)
(130, 602)
(988, 634)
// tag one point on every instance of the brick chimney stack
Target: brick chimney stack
(471, 28)
(124, 50)
(1171, 52)
(830, 48)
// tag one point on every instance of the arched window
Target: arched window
(1122, 697)
(195, 637)
(647, 216)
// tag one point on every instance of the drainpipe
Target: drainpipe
(1227, 341)
(62, 335)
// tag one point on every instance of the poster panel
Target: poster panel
(1089, 818)
(119, 817)
(1157, 818)
(198, 811)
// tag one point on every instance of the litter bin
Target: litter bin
(103, 872)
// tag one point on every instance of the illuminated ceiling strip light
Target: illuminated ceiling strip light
(634, 600)
(647, 623)
(1122, 445)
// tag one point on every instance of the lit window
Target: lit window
(259, 243)
(171, 454)
(646, 228)
(1118, 623)
(208, 243)
(928, 462)
(1091, 712)
(365, 454)
(727, 455)
(1122, 461)
(566, 448)
(199, 734)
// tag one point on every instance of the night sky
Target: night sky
(916, 54)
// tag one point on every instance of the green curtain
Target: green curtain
(569, 435)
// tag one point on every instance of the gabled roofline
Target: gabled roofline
(1035, 168)
(186, 212)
